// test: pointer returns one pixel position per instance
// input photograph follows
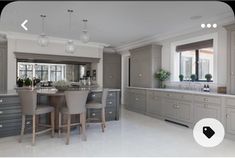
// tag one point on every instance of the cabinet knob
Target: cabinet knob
(93, 114)
(93, 95)
(110, 94)
(110, 102)
(28, 123)
(1, 126)
(136, 98)
(110, 112)
(0, 100)
(140, 75)
(1, 112)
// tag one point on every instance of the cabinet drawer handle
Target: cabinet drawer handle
(110, 112)
(137, 99)
(93, 114)
(93, 95)
(1, 126)
(1, 100)
(205, 99)
(28, 123)
(1, 112)
(110, 94)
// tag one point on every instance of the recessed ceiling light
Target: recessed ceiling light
(214, 25)
(195, 17)
(208, 25)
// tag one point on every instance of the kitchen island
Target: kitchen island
(10, 109)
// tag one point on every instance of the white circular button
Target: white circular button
(208, 132)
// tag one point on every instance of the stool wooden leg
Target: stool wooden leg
(22, 128)
(34, 129)
(60, 118)
(83, 123)
(68, 129)
(52, 124)
(103, 119)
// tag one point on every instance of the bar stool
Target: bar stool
(99, 105)
(28, 101)
(76, 104)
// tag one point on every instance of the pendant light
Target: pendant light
(85, 36)
(70, 47)
(43, 39)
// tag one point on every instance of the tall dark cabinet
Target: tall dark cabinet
(3, 64)
(111, 70)
(144, 62)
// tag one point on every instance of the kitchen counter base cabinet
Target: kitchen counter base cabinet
(10, 117)
(112, 109)
(136, 100)
(153, 104)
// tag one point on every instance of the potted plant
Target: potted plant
(20, 82)
(181, 77)
(27, 82)
(208, 77)
(193, 77)
(36, 81)
(162, 76)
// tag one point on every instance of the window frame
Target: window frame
(197, 57)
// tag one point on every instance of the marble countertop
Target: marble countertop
(186, 91)
(51, 90)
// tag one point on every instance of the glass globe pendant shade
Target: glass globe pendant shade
(43, 40)
(85, 37)
(70, 47)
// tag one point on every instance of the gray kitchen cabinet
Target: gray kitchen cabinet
(153, 103)
(231, 58)
(10, 116)
(206, 110)
(230, 120)
(144, 62)
(112, 105)
(178, 107)
(3, 65)
(136, 100)
(111, 70)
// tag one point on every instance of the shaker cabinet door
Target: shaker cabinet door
(230, 120)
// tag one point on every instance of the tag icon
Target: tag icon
(208, 132)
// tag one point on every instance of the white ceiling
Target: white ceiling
(115, 23)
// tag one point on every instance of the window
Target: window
(56, 72)
(196, 58)
(25, 70)
(43, 71)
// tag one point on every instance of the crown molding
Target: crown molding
(26, 36)
(222, 19)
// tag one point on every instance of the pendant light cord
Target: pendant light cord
(43, 21)
(70, 14)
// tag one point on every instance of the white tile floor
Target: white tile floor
(133, 135)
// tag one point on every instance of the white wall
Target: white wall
(28, 44)
(220, 49)
(220, 44)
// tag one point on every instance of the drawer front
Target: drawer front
(139, 91)
(7, 111)
(111, 95)
(4, 124)
(230, 101)
(180, 96)
(9, 100)
(207, 99)
(94, 113)
(111, 103)
(95, 96)
(110, 114)
(9, 132)
(140, 101)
